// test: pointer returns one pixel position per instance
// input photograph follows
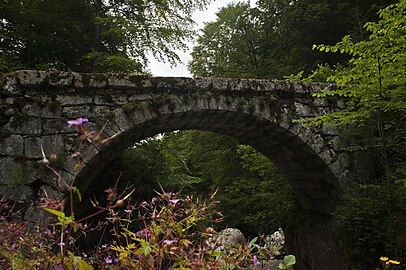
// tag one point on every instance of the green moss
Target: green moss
(138, 78)
(251, 105)
(131, 107)
(240, 104)
(157, 100)
(229, 100)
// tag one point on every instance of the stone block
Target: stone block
(10, 172)
(51, 145)
(329, 130)
(110, 100)
(120, 81)
(31, 77)
(11, 87)
(12, 145)
(57, 125)
(48, 110)
(303, 110)
(24, 125)
(321, 102)
(327, 155)
(18, 194)
(203, 84)
(74, 100)
(90, 80)
(74, 112)
(61, 79)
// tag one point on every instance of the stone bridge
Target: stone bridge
(36, 106)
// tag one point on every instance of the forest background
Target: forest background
(273, 40)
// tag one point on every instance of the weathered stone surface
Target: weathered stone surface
(76, 111)
(18, 194)
(12, 145)
(227, 239)
(11, 172)
(90, 80)
(50, 144)
(61, 78)
(48, 110)
(31, 77)
(11, 88)
(74, 100)
(24, 125)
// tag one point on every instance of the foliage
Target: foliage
(274, 38)
(254, 196)
(95, 35)
(372, 224)
(229, 47)
(288, 262)
(374, 87)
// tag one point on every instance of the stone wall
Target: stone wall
(36, 106)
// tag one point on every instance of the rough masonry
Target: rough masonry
(36, 106)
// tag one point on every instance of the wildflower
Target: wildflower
(87, 135)
(108, 260)
(144, 233)
(393, 262)
(77, 122)
(58, 267)
(168, 242)
(174, 201)
(255, 262)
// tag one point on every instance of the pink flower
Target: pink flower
(108, 260)
(255, 261)
(168, 242)
(77, 122)
(174, 201)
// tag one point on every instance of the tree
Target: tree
(274, 39)
(93, 35)
(374, 85)
(374, 82)
(229, 47)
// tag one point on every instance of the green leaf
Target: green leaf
(80, 264)
(57, 213)
(76, 190)
(289, 260)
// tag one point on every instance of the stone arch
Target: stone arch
(315, 185)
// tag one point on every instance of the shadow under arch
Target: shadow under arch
(314, 185)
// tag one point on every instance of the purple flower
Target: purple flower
(77, 122)
(168, 242)
(144, 233)
(108, 260)
(58, 267)
(174, 201)
(255, 261)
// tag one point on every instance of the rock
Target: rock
(227, 239)
(275, 243)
